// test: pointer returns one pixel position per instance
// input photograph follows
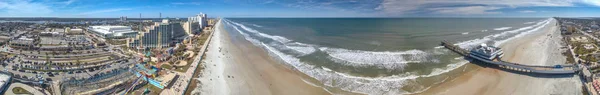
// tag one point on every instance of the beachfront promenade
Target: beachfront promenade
(557, 69)
(186, 78)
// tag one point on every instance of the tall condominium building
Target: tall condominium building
(201, 19)
(190, 27)
(123, 18)
(204, 21)
(160, 35)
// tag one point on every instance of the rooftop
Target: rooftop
(111, 29)
(4, 79)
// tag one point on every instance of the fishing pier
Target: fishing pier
(556, 69)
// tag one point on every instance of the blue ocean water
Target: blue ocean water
(376, 55)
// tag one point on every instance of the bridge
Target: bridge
(557, 69)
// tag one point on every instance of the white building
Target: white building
(123, 18)
(113, 31)
(201, 18)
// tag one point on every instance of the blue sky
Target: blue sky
(300, 8)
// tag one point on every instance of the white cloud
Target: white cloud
(399, 7)
(105, 11)
(592, 2)
(527, 11)
(187, 3)
(68, 2)
(24, 8)
(468, 10)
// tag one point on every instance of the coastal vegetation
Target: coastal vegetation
(19, 90)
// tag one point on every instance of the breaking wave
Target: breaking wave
(302, 48)
(256, 25)
(384, 59)
(529, 22)
(489, 38)
(358, 58)
(275, 38)
(502, 28)
(497, 43)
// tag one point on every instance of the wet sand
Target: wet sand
(234, 66)
(541, 47)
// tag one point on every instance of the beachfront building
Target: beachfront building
(201, 19)
(190, 27)
(160, 35)
(113, 31)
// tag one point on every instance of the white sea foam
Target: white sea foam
(256, 25)
(345, 82)
(503, 34)
(529, 22)
(366, 85)
(484, 30)
(448, 68)
(465, 33)
(498, 43)
(330, 78)
(275, 38)
(457, 58)
(246, 36)
(305, 49)
(475, 42)
(383, 59)
(302, 48)
(502, 28)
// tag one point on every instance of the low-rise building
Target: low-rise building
(4, 39)
(74, 31)
(5, 79)
(23, 43)
(113, 31)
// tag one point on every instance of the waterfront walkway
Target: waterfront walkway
(557, 69)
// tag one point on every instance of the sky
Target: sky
(299, 8)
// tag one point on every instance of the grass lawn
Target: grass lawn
(189, 62)
(183, 68)
(166, 66)
(19, 90)
(153, 89)
(151, 63)
(116, 42)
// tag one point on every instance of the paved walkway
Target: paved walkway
(185, 78)
(24, 86)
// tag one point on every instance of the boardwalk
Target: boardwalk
(557, 69)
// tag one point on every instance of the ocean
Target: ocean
(377, 55)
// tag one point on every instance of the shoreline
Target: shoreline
(541, 47)
(191, 83)
(235, 66)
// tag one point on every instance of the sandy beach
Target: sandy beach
(542, 47)
(233, 66)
